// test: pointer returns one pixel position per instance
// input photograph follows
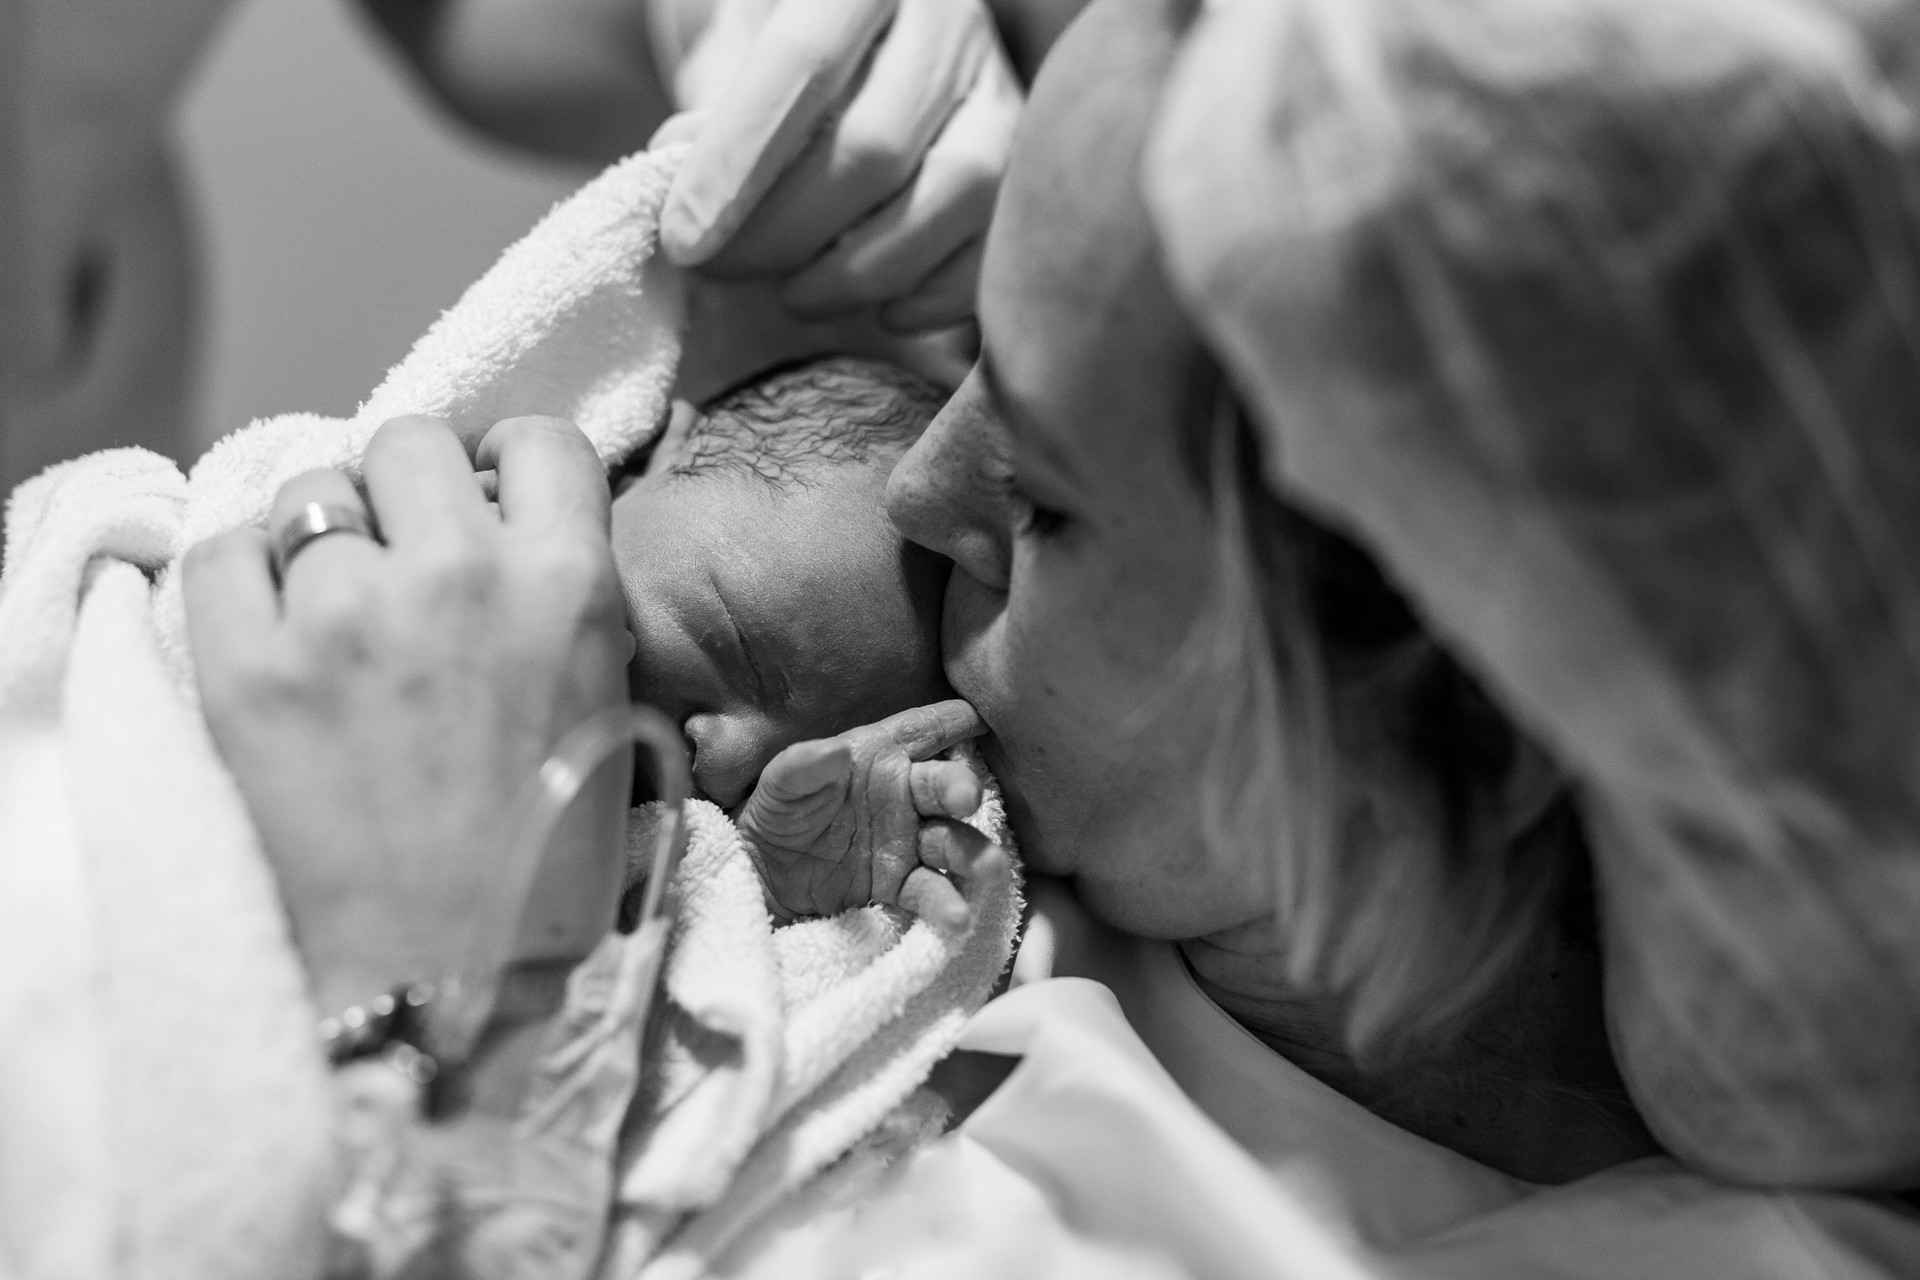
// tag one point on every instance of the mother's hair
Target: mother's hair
(1422, 839)
(1600, 320)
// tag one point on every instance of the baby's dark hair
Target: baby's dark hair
(822, 413)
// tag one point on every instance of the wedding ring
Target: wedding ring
(312, 521)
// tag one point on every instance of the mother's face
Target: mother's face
(1057, 481)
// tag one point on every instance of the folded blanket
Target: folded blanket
(165, 1108)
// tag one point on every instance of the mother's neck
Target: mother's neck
(1527, 1085)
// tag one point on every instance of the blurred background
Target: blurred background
(339, 211)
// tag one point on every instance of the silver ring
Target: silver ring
(315, 520)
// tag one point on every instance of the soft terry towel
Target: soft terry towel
(578, 320)
(165, 1109)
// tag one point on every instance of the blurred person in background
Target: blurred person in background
(853, 174)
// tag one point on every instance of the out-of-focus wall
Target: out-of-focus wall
(338, 214)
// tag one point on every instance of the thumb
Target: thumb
(806, 768)
(797, 797)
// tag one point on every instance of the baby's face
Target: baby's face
(763, 618)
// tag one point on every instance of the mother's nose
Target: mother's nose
(949, 493)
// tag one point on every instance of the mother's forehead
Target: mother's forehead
(1073, 259)
(1079, 149)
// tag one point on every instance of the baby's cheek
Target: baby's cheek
(911, 674)
(862, 690)
(873, 648)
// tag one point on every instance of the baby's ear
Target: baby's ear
(680, 420)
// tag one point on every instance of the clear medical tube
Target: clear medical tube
(537, 811)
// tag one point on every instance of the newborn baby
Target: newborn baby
(795, 635)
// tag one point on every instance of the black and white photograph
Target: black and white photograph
(960, 640)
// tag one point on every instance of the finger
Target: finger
(550, 479)
(990, 865)
(232, 606)
(943, 788)
(921, 75)
(935, 899)
(971, 863)
(807, 54)
(929, 730)
(797, 798)
(953, 848)
(892, 254)
(344, 552)
(681, 126)
(947, 297)
(420, 482)
(807, 767)
(898, 248)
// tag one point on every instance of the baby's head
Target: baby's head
(771, 599)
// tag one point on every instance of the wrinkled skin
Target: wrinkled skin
(838, 822)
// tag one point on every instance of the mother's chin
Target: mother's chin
(1037, 797)
(1037, 847)
(1139, 868)
(1013, 767)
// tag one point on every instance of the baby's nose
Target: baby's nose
(726, 760)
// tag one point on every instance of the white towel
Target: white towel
(164, 1109)
(163, 1105)
(579, 320)
(779, 1053)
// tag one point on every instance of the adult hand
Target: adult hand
(856, 151)
(863, 816)
(382, 707)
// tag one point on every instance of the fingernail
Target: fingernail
(690, 229)
(677, 130)
(680, 232)
(962, 798)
